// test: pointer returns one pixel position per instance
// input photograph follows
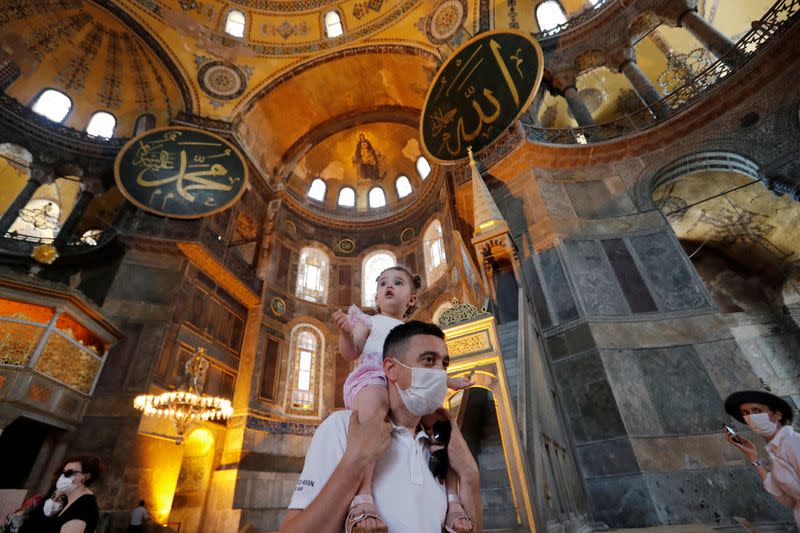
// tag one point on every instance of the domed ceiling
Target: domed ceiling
(87, 53)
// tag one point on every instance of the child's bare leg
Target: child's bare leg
(454, 504)
(371, 401)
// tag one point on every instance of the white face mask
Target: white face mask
(52, 507)
(427, 391)
(761, 424)
(65, 484)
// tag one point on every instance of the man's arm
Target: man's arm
(366, 442)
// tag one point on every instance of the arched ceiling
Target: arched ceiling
(89, 54)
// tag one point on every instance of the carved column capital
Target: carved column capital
(618, 57)
(672, 11)
(564, 80)
(92, 185)
(69, 169)
(42, 174)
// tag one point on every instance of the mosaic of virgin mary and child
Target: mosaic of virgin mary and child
(367, 160)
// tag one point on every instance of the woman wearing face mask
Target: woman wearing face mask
(79, 514)
(770, 416)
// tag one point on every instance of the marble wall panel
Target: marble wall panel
(630, 389)
(555, 281)
(591, 199)
(588, 398)
(607, 458)
(727, 367)
(630, 279)
(624, 501)
(536, 292)
(674, 285)
(713, 496)
(595, 283)
(555, 198)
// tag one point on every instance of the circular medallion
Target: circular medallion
(290, 227)
(480, 91)
(278, 306)
(445, 21)
(347, 246)
(180, 172)
(222, 81)
(406, 235)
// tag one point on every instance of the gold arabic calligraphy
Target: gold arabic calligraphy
(440, 120)
(154, 156)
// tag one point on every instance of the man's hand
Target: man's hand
(342, 322)
(746, 447)
(367, 441)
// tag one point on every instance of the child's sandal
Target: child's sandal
(454, 516)
(361, 508)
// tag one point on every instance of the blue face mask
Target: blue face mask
(427, 391)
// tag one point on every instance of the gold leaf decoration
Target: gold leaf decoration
(45, 253)
(459, 313)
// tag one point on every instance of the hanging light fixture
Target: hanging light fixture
(187, 405)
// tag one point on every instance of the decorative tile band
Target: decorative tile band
(284, 428)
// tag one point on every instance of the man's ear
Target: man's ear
(390, 369)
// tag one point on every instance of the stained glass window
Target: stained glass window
(403, 186)
(317, 190)
(549, 15)
(102, 125)
(306, 349)
(433, 249)
(423, 167)
(333, 24)
(312, 275)
(235, 23)
(377, 198)
(373, 265)
(347, 197)
(53, 104)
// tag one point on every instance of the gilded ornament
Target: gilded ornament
(45, 253)
(278, 306)
(406, 235)
(460, 313)
(347, 246)
(475, 343)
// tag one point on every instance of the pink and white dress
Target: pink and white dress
(369, 370)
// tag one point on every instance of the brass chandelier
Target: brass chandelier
(188, 404)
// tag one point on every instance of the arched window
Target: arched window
(317, 190)
(312, 275)
(333, 25)
(144, 123)
(377, 198)
(423, 167)
(371, 268)
(403, 186)
(101, 125)
(433, 249)
(235, 23)
(549, 15)
(347, 197)
(53, 104)
(304, 381)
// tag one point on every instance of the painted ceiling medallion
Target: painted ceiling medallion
(222, 81)
(347, 246)
(446, 20)
(406, 235)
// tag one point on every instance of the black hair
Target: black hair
(141, 503)
(398, 337)
(89, 465)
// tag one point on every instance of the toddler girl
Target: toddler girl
(362, 337)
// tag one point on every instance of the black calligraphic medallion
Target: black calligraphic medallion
(479, 92)
(180, 172)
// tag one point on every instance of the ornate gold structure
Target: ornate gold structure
(459, 313)
(188, 405)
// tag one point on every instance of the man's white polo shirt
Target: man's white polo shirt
(408, 497)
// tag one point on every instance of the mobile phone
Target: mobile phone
(733, 434)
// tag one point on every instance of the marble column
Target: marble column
(564, 82)
(36, 179)
(644, 88)
(684, 13)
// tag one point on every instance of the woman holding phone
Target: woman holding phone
(769, 416)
